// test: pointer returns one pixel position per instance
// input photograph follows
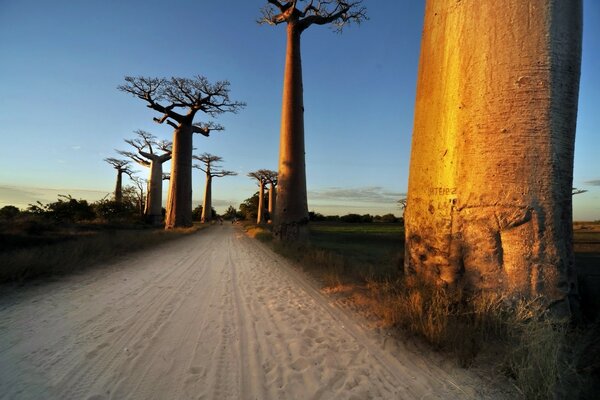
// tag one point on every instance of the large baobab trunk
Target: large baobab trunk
(261, 206)
(489, 197)
(291, 211)
(207, 205)
(272, 197)
(179, 206)
(154, 198)
(119, 187)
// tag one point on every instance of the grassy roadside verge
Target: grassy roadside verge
(543, 357)
(78, 250)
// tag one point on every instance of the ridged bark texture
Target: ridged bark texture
(119, 187)
(272, 195)
(207, 205)
(489, 196)
(291, 210)
(260, 216)
(179, 202)
(154, 198)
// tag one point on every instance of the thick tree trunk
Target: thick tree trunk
(207, 205)
(261, 195)
(154, 198)
(291, 210)
(179, 205)
(119, 187)
(489, 196)
(272, 195)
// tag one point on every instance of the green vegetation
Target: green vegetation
(70, 235)
(362, 262)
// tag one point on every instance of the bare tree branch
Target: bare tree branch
(338, 13)
(119, 164)
(211, 165)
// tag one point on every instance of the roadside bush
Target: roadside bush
(70, 209)
(351, 218)
(111, 210)
(9, 212)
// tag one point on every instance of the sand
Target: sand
(215, 315)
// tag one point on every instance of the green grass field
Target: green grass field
(368, 244)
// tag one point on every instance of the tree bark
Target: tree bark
(261, 195)
(272, 195)
(291, 210)
(179, 205)
(207, 205)
(119, 187)
(489, 196)
(154, 198)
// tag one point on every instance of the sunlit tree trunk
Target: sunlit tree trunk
(119, 187)
(261, 206)
(179, 205)
(291, 210)
(207, 205)
(272, 197)
(154, 198)
(489, 197)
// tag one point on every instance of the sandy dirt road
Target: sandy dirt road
(215, 315)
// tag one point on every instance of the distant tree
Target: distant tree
(230, 213)
(141, 185)
(9, 212)
(212, 169)
(249, 208)
(190, 95)
(199, 211)
(353, 218)
(315, 216)
(291, 211)
(122, 166)
(261, 177)
(388, 218)
(151, 153)
(271, 179)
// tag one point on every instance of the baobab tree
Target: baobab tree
(191, 96)
(147, 147)
(291, 210)
(261, 177)
(142, 187)
(212, 168)
(271, 179)
(491, 171)
(122, 166)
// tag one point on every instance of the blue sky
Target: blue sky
(61, 114)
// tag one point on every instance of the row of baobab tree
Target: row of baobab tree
(152, 154)
(489, 195)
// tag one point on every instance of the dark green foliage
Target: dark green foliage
(387, 218)
(197, 213)
(70, 209)
(9, 212)
(230, 213)
(249, 208)
(65, 209)
(111, 210)
(316, 217)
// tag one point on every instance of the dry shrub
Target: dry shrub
(78, 253)
(537, 354)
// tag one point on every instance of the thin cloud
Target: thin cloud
(368, 194)
(22, 196)
(594, 182)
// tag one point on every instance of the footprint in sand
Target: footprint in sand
(300, 364)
